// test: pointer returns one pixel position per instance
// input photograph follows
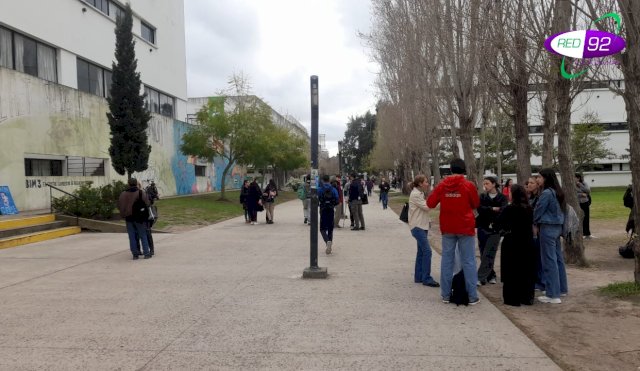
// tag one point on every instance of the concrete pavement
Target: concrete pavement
(230, 296)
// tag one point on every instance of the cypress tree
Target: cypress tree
(128, 118)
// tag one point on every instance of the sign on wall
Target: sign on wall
(7, 206)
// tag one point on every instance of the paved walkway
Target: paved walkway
(230, 296)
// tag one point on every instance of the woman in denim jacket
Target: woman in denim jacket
(548, 217)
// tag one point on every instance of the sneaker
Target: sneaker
(328, 251)
(306, 220)
(445, 300)
(432, 284)
(478, 284)
(147, 256)
(563, 294)
(589, 237)
(545, 299)
(135, 257)
(474, 302)
(493, 281)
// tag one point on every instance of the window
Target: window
(39, 167)
(148, 33)
(157, 102)
(201, 170)
(101, 5)
(27, 55)
(115, 10)
(93, 79)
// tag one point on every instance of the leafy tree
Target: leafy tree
(359, 141)
(128, 118)
(587, 142)
(236, 135)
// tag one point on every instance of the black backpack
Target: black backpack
(327, 201)
(404, 214)
(626, 251)
(459, 294)
(627, 199)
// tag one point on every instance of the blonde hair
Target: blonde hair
(419, 179)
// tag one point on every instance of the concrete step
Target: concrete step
(18, 221)
(10, 232)
(24, 239)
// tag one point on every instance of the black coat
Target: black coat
(486, 215)
(254, 195)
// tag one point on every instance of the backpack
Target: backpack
(459, 294)
(627, 199)
(140, 211)
(626, 251)
(327, 201)
(570, 224)
(302, 195)
(404, 214)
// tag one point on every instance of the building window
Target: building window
(101, 5)
(157, 102)
(93, 79)
(201, 170)
(148, 33)
(115, 10)
(40, 167)
(85, 166)
(27, 55)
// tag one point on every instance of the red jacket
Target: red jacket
(458, 198)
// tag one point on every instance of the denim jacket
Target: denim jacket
(547, 209)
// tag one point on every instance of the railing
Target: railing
(76, 198)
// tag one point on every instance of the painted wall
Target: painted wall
(39, 119)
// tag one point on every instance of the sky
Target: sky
(278, 45)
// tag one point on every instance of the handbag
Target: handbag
(404, 214)
(365, 199)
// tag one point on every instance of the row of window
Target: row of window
(157, 102)
(93, 79)
(26, 55)
(607, 126)
(72, 166)
(114, 10)
(586, 85)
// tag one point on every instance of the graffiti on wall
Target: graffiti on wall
(39, 183)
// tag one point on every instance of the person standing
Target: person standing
(507, 188)
(356, 193)
(584, 198)
(130, 204)
(269, 196)
(533, 193)
(244, 192)
(254, 199)
(518, 257)
(327, 200)
(370, 185)
(548, 217)
(419, 224)
(339, 212)
(492, 203)
(458, 198)
(384, 193)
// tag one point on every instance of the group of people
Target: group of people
(254, 200)
(528, 219)
(136, 207)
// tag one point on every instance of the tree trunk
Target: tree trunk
(483, 143)
(223, 180)
(548, 128)
(523, 145)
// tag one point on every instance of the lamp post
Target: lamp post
(340, 158)
(313, 271)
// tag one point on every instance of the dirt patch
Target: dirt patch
(588, 331)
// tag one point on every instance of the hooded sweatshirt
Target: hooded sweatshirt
(458, 198)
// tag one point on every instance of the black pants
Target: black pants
(586, 231)
(488, 242)
(326, 224)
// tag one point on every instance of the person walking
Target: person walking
(244, 193)
(458, 198)
(419, 224)
(327, 200)
(304, 194)
(339, 209)
(356, 193)
(254, 200)
(384, 193)
(584, 198)
(492, 203)
(533, 193)
(548, 217)
(370, 185)
(131, 204)
(269, 199)
(518, 269)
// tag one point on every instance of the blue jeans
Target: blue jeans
(423, 257)
(326, 224)
(554, 272)
(466, 249)
(384, 196)
(135, 230)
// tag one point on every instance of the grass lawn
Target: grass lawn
(203, 209)
(606, 203)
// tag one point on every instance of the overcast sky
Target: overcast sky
(279, 44)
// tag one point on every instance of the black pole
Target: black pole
(314, 271)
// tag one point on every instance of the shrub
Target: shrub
(294, 183)
(93, 202)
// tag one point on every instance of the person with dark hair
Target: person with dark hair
(384, 193)
(518, 257)
(419, 224)
(533, 193)
(548, 217)
(254, 199)
(507, 188)
(244, 192)
(356, 194)
(327, 200)
(269, 199)
(458, 198)
(491, 205)
(130, 204)
(584, 198)
(339, 213)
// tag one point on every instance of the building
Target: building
(55, 67)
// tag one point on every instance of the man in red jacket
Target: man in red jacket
(458, 198)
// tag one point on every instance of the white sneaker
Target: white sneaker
(590, 237)
(545, 299)
(563, 294)
(253, 223)
(493, 281)
(328, 251)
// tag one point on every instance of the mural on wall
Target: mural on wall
(183, 171)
